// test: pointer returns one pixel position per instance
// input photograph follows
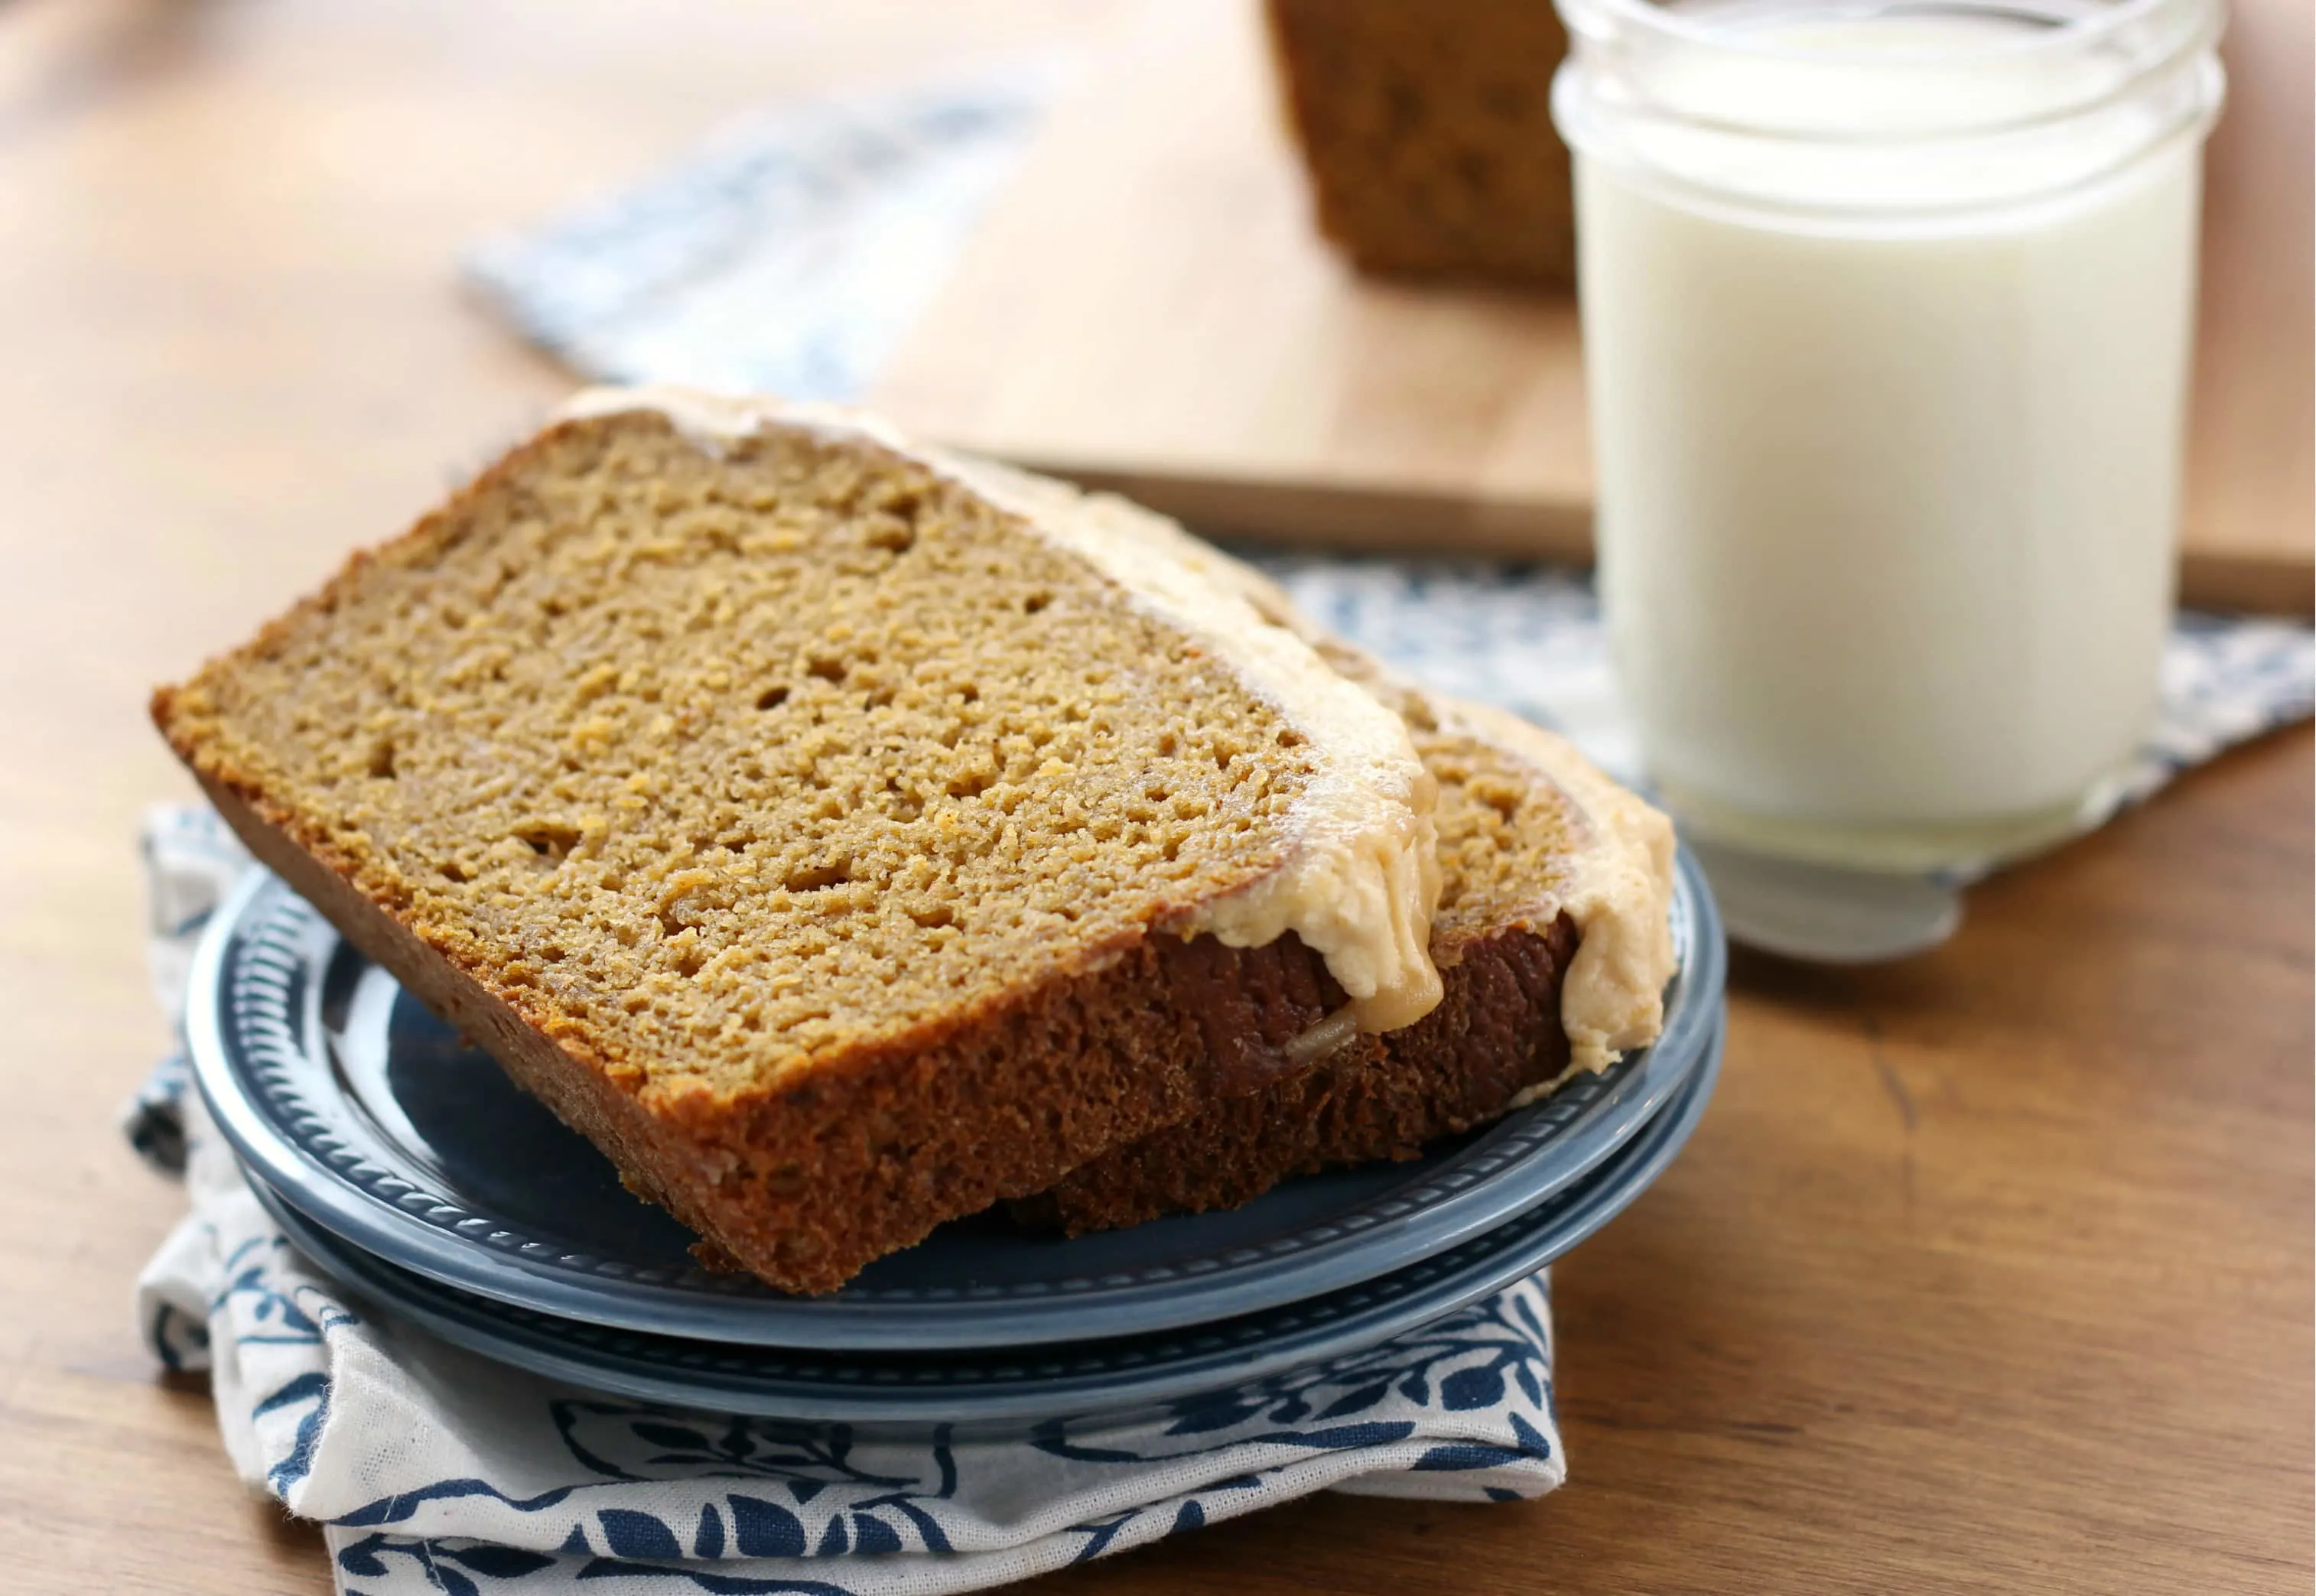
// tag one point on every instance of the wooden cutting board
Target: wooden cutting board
(1147, 308)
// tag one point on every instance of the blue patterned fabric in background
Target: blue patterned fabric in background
(789, 255)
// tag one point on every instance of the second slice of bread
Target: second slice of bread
(1553, 947)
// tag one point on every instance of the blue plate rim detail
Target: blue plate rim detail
(1523, 1161)
(1112, 1381)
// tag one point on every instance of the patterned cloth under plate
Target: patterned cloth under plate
(432, 1470)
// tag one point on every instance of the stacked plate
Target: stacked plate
(408, 1167)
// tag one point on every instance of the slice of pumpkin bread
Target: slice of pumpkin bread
(1554, 946)
(842, 835)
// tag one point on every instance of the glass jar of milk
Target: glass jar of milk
(1887, 310)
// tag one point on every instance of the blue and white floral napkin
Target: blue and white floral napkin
(432, 1470)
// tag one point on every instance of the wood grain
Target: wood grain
(1988, 1271)
(1147, 310)
(2252, 498)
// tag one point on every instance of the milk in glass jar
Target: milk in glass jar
(1887, 312)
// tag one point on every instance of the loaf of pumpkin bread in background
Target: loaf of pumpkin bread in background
(842, 836)
(1425, 128)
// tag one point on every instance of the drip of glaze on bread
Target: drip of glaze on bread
(1616, 888)
(1604, 857)
(1358, 884)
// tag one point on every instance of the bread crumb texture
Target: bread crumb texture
(727, 761)
(1507, 832)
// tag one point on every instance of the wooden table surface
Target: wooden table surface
(1990, 1270)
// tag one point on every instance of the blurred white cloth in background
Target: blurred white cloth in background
(788, 255)
(1531, 640)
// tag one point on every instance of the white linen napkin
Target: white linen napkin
(432, 1470)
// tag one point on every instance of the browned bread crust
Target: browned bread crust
(1426, 129)
(807, 1184)
(1495, 1033)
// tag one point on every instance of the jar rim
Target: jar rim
(1877, 137)
(2100, 54)
(2088, 28)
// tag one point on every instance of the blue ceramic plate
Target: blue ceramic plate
(369, 1116)
(1006, 1391)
